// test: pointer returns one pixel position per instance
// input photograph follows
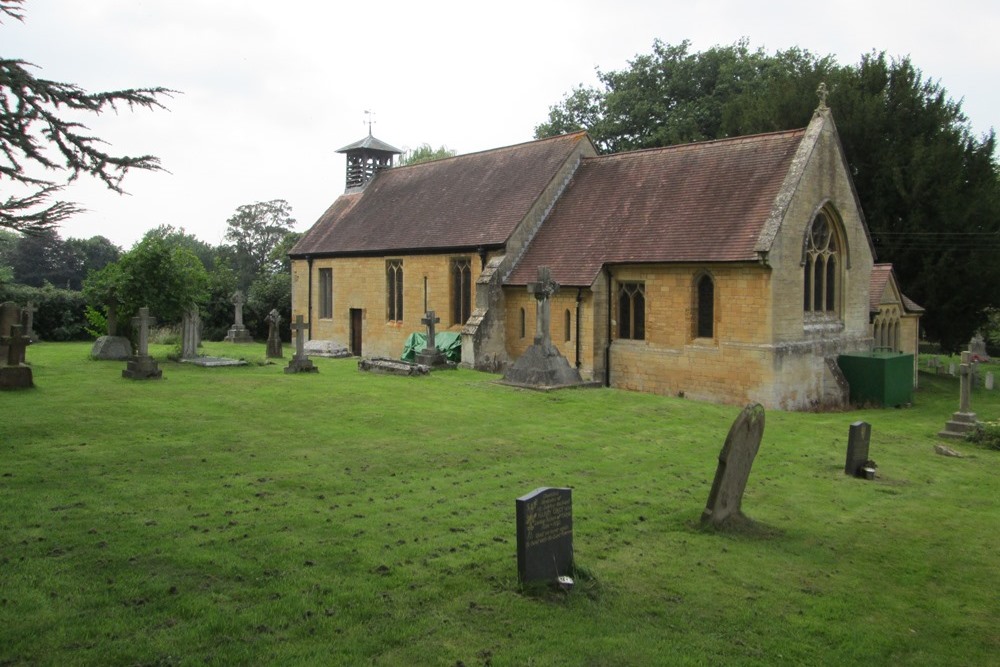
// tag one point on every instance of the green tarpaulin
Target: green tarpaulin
(449, 343)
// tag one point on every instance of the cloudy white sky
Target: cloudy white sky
(269, 90)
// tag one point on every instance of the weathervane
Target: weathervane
(370, 120)
(822, 92)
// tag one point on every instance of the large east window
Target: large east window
(394, 290)
(461, 290)
(326, 293)
(632, 311)
(821, 284)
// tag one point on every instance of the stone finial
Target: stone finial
(822, 93)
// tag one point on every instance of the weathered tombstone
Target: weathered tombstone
(190, 333)
(951, 369)
(300, 363)
(964, 420)
(273, 335)
(10, 314)
(238, 332)
(544, 535)
(989, 380)
(542, 365)
(430, 355)
(112, 347)
(977, 348)
(735, 460)
(28, 320)
(858, 440)
(15, 374)
(141, 366)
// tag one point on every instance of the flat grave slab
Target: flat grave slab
(211, 362)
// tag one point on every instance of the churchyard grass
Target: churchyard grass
(245, 516)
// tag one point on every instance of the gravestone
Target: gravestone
(989, 380)
(392, 367)
(430, 355)
(28, 320)
(111, 347)
(858, 440)
(10, 314)
(273, 335)
(238, 333)
(542, 365)
(544, 535)
(14, 373)
(300, 363)
(964, 420)
(141, 366)
(977, 348)
(190, 333)
(951, 369)
(735, 460)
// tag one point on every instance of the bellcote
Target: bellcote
(364, 158)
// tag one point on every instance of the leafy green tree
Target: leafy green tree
(33, 137)
(425, 153)
(254, 231)
(930, 190)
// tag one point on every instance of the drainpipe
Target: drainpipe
(309, 329)
(607, 349)
(579, 299)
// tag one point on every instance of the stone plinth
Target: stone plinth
(16, 377)
(238, 334)
(541, 365)
(959, 425)
(392, 367)
(301, 365)
(142, 367)
(111, 348)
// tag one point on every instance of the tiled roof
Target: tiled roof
(460, 202)
(370, 143)
(881, 275)
(703, 202)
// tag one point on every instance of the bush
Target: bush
(60, 315)
(986, 434)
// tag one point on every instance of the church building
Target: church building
(733, 271)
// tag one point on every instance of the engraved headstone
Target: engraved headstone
(274, 350)
(544, 535)
(300, 363)
(964, 420)
(735, 460)
(858, 440)
(14, 373)
(190, 333)
(141, 366)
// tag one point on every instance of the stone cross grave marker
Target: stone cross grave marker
(143, 321)
(190, 330)
(300, 363)
(10, 314)
(430, 356)
(858, 439)
(726, 497)
(238, 333)
(544, 534)
(964, 420)
(141, 366)
(238, 302)
(15, 374)
(273, 335)
(543, 289)
(113, 318)
(28, 319)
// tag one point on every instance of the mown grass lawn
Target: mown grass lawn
(244, 516)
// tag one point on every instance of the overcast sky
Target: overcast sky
(269, 90)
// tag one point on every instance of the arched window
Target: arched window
(632, 310)
(822, 262)
(569, 329)
(705, 307)
(522, 323)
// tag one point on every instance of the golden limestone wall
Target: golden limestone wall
(564, 331)
(730, 367)
(360, 283)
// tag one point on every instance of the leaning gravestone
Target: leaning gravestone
(544, 535)
(15, 374)
(300, 363)
(858, 439)
(141, 366)
(726, 497)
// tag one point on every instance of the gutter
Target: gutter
(579, 299)
(607, 348)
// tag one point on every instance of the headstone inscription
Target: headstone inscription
(300, 363)
(735, 460)
(430, 355)
(273, 335)
(238, 333)
(190, 333)
(964, 420)
(14, 373)
(858, 439)
(544, 535)
(141, 366)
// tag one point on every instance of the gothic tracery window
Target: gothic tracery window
(821, 288)
(394, 290)
(632, 311)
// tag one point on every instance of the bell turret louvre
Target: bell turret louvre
(366, 157)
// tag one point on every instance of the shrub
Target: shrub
(986, 434)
